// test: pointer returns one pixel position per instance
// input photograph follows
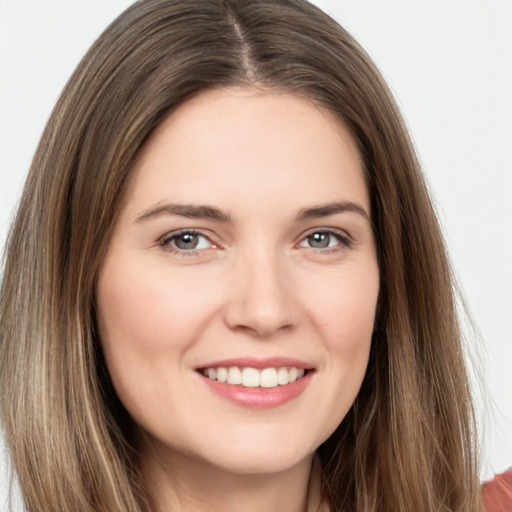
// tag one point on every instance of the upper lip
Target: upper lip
(255, 362)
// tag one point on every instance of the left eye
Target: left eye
(188, 241)
(322, 240)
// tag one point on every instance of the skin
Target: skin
(257, 284)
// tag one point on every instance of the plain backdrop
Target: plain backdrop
(449, 63)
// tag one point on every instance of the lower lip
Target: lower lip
(259, 398)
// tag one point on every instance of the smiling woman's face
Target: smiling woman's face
(236, 302)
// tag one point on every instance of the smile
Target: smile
(258, 383)
(253, 377)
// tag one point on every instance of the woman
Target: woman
(226, 274)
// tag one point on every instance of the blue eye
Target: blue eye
(325, 239)
(187, 241)
(321, 240)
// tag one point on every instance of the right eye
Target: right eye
(186, 241)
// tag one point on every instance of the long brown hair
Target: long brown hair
(408, 442)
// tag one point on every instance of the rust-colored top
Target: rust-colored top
(497, 493)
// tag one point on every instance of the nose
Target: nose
(262, 301)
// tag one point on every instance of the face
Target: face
(237, 298)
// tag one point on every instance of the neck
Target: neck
(183, 484)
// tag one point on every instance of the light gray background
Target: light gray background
(449, 62)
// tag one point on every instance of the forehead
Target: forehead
(248, 143)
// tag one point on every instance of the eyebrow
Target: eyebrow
(326, 210)
(191, 211)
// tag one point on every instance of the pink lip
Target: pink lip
(253, 362)
(259, 398)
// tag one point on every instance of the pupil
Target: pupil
(187, 241)
(319, 240)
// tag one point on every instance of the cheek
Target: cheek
(150, 310)
(345, 308)
(345, 313)
(146, 325)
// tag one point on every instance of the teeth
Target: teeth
(282, 376)
(253, 378)
(222, 374)
(250, 378)
(234, 375)
(268, 378)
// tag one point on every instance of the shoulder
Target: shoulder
(497, 493)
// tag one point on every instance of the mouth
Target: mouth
(248, 377)
(257, 383)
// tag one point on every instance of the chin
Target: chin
(270, 452)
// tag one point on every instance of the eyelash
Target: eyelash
(345, 240)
